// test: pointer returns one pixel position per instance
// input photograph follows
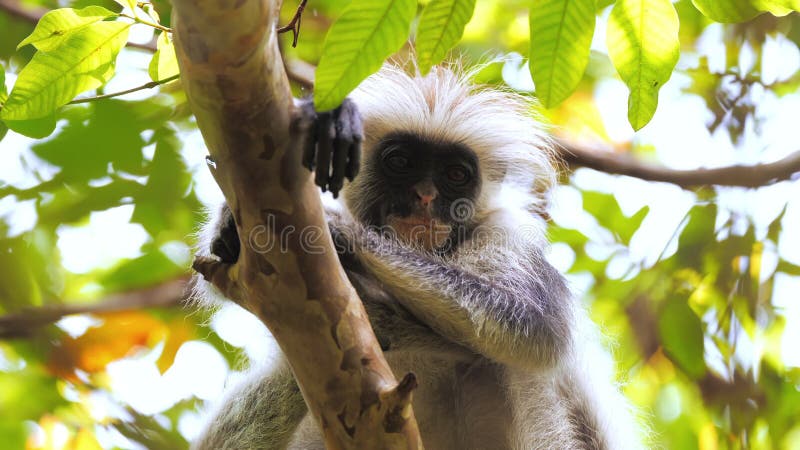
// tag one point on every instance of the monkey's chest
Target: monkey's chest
(457, 407)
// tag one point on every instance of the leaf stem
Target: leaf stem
(148, 23)
(148, 85)
(294, 24)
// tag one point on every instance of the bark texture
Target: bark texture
(288, 273)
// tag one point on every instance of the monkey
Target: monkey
(441, 231)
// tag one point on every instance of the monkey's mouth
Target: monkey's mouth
(424, 231)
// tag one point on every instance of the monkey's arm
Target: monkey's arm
(516, 314)
(394, 326)
(266, 410)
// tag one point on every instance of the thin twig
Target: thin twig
(148, 85)
(157, 26)
(13, 8)
(294, 25)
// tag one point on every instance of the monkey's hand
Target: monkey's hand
(225, 241)
(332, 146)
(331, 140)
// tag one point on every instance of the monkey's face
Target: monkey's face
(424, 191)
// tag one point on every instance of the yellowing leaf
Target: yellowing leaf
(164, 63)
(118, 335)
(178, 333)
(85, 60)
(561, 35)
(57, 25)
(440, 28)
(579, 118)
(643, 45)
(55, 434)
(85, 440)
(357, 44)
(707, 439)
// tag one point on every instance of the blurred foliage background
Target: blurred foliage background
(697, 290)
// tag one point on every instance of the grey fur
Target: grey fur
(262, 413)
(505, 356)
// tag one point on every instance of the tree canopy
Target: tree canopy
(675, 220)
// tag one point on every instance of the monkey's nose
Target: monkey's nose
(426, 200)
(426, 193)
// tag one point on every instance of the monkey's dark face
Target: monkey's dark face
(425, 189)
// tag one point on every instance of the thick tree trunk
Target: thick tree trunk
(288, 273)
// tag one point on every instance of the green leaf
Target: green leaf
(3, 90)
(735, 11)
(3, 96)
(605, 208)
(161, 205)
(357, 44)
(561, 35)
(777, 7)
(643, 45)
(33, 128)
(110, 120)
(150, 10)
(698, 236)
(26, 260)
(146, 270)
(84, 61)
(57, 25)
(164, 63)
(788, 268)
(440, 28)
(130, 4)
(603, 4)
(681, 334)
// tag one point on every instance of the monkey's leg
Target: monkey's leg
(262, 413)
(333, 143)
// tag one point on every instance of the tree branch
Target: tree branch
(737, 175)
(25, 322)
(233, 75)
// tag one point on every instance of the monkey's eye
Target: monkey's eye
(396, 162)
(457, 175)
